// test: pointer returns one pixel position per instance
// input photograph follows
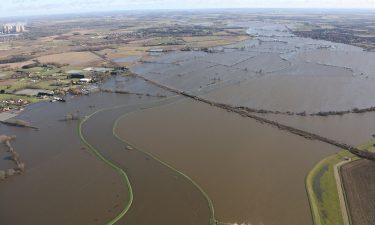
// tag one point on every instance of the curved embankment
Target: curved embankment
(322, 191)
(120, 171)
(326, 203)
(158, 193)
(209, 201)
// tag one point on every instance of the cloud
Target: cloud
(30, 7)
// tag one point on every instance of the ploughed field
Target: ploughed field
(252, 172)
(274, 71)
(359, 185)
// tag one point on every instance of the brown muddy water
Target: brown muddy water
(353, 129)
(161, 196)
(65, 183)
(254, 173)
(298, 93)
(274, 71)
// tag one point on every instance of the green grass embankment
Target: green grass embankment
(213, 220)
(120, 171)
(322, 191)
(123, 174)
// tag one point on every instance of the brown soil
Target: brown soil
(359, 184)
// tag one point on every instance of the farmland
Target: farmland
(360, 190)
(200, 118)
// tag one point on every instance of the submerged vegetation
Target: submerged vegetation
(14, 156)
(211, 51)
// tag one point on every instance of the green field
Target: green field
(17, 97)
(322, 190)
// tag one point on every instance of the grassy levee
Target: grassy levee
(113, 166)
(123, 173)
(213, 220)
(108, 162)
(322, 191)
(321, 188)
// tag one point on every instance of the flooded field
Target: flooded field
(353, 129)
(297, 94)
(161, 196)
(274, 71)
(72, 186)
(252, 172)
(134, 85)
(126, 59)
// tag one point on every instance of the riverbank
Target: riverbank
(251, 165)
(66, 179)
(161, 193)
(322, 189)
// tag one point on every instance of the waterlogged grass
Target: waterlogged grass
(14, 85)
(17, 97)
(322, 192)
(369, 146)
(322, 188)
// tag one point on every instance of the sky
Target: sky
(10, 8)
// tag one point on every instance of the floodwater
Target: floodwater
(161, 195)
(254, 173)
(298, 93)
(126, 59)
(134, 85)
(274, 71)
(353, 129)
(72, 186)
(64, 183)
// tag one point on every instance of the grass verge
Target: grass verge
(321, 188)
(17, 97)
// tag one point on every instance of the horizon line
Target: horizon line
(40, 15)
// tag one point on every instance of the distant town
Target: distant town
(13, 28)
